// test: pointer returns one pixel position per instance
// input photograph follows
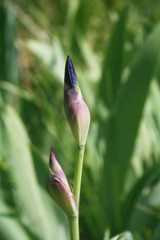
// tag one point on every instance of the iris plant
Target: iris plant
(78, 116)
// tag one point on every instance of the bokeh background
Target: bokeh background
(114, 46)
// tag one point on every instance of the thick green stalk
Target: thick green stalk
(74, 228)
(78, 173)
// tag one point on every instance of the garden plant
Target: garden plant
(101, 117)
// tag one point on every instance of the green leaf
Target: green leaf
(112, 66)
(11, 88)
(51, 55)
(8, 57)
(123, 236)
(106, 235)
(156, 232)
(134, 195)
(123, 125)
(10, 227)
(27, 196)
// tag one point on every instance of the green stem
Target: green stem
(74, 222)
(74, 228)
(78, 173)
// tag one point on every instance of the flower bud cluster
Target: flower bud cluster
(78, 117)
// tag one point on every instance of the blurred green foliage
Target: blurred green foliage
(114, 46)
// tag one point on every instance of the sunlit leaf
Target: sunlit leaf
(51, 55)
(10, 227)
(123, 236)
(26, 192)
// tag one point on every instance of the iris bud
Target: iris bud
(60, 189)
(76, 110)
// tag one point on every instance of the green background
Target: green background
(115, 47)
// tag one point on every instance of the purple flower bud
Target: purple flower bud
(59, 188)
(76, 110)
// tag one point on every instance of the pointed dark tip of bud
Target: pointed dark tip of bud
(50, 159)
(51, 149)
(70, 75)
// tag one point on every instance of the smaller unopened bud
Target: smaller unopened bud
(76, 110)
(60, 189)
